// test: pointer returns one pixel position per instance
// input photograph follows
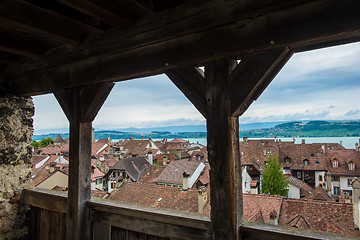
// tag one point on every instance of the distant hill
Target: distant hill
(252, 130)
(308, 129)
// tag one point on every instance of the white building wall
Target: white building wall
(344, 183)
(246, 179)
(317, 175)
(294, 191)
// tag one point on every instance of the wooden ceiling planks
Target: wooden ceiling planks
(189, 35)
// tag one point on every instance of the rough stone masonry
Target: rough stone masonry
(15, 164)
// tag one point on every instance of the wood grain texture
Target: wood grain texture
(253, 74)
(190, 81)
(223, 151)
(154, 46)
(42, 22)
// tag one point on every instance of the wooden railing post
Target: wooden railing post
(81, 105)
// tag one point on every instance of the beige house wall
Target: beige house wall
(57, 179)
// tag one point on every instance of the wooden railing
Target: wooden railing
(114, 220)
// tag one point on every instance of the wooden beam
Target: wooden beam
(200, 32)
(81, 106)
(253, 74)
(190, 81)
(24, 44)
(223, 151)
(94, 10)
(30, 18)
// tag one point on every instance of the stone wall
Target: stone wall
(15, 164)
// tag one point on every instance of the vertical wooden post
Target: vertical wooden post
(221, 96)
(81, 105)
(223, 151)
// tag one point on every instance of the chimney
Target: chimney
(186, 178)
(142, 138)
(356, 202)
(131, 138)
(275, 139)
(323, 148)
(52, 167)
(294, 140)
(341, 143)
(202, 199)
(357, 146)
(245, 139)
(303, 141)
(328, 182)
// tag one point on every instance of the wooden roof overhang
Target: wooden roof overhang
(76, 49)
(51, 45)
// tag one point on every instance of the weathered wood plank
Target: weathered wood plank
(97, 12)
(158, 44)
(121, 209)
(259, 231)
(34, 223)
(45, 228)
(46, 199)
(190, 81)
(223, 151)
(252, 75)
(31, 18)
(57, 226)
(150, 227)
(100, 231)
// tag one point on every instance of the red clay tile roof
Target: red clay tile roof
(157, 196)
(52, 149)
(59, 139)
(98, 193)
(35, 159)
(204, 178)
(132, 166)
(253, 203)
(318, 216)
(319, 194)
(344, 156)
(137, 147)
(173, 173)
(149, 174)
(97, 173)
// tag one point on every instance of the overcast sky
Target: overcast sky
(318, 85)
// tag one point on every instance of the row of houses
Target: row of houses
(328, 165)
(175, 175)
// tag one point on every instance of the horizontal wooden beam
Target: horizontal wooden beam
(24, 44)
(46, 199)
(155, 222)
(97, 12)
(200, 32)
(30, 18)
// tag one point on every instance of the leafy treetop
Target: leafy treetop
(273, 181)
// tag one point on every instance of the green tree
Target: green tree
(35, 144)
(273, 181)
(45, 142)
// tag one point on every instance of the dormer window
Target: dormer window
(335, 163)
(351, 166)
(287, 160)
(306, 162)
